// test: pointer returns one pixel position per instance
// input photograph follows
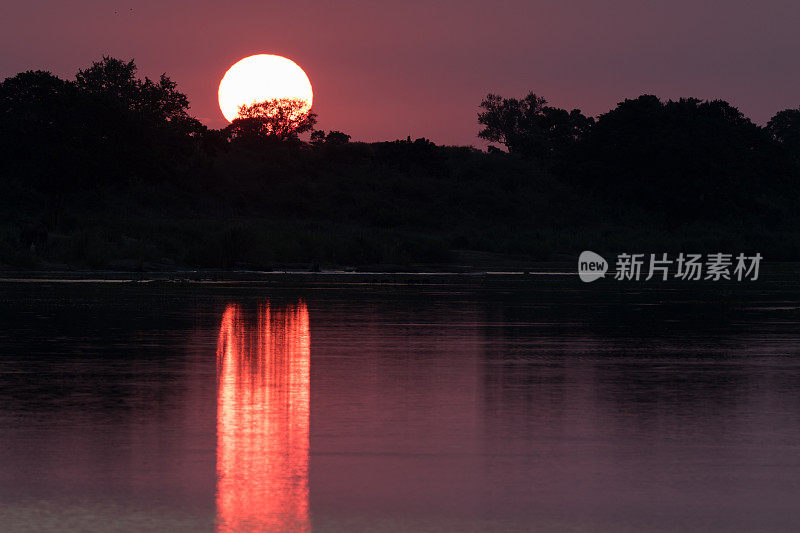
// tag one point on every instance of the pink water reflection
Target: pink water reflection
(263, 419)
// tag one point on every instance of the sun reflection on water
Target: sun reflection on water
(263, 419)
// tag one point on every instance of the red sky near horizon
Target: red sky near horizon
(385, 70)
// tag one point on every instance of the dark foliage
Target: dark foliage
(784, 127)
(110, 171)
(332, 138)
(531, 128)
(683, 160)
(280, 119)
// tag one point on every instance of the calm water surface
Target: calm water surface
(522, 404)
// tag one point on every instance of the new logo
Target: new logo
(591, 266)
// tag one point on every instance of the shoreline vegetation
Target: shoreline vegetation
(110, 172)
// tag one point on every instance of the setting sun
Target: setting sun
(262, 77)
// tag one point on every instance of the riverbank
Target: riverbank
(769, 272)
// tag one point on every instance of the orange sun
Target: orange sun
(262, 77)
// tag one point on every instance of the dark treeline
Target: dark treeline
(109, 170)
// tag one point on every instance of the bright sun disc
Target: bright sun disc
(262, 77)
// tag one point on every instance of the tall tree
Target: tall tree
(281, 119)
(530, 127)
(158, 101)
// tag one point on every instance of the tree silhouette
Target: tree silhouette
(41, 132)
(159, 102)
(332, 138)
(36, 105)
(686, 159)
(784, 127)
(530, 127)
(105, 126)
(281, 119)
(111, 77)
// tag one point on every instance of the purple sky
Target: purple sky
(384, 70)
